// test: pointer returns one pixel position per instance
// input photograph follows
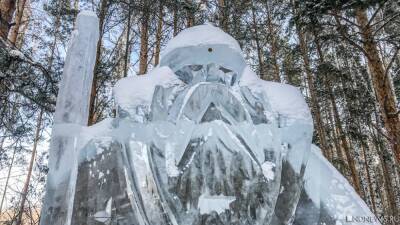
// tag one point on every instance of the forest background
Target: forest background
(343, 55)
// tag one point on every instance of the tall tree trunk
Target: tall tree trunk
(365, 149)
(7, 8)
(386, 166)
(260, 54)
(175, 18)
(190, 13)
(18, 20)
(26, 16)
(381, 83)
(76, 8)
(7, 181)
(345, 144)
(369, 179)
(57, 24)
(30, 168)
(22, 25)
(338, 148)
(273, 44)
(127, 43)
(315, 108)
(190, 19)
(338, 124)
(159, 35)
(76, 11)
(93, 95)
(223, 15)
(144, 43)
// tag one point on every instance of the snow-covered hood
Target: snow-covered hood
(202, 45)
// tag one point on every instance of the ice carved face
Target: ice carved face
(203, 45)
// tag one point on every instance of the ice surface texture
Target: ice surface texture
(201, 140)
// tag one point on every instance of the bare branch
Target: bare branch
(383, 25)
(347, 38)
(376, 13)
(379, 129)
(391, 61)
(337, 16)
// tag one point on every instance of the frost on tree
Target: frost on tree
(201, 140)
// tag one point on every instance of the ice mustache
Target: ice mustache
(192, 74)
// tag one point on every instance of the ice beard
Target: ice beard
(215, 157)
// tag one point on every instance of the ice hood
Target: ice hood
(202, 45)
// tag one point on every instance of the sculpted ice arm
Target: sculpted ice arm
(71, 114)
(332, 194)
(327, 197)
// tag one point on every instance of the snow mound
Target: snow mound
(268, 170)
(87, 13)
(206, 34)
(214, 203)
(285, 99)
(100, 129)
(130, 92)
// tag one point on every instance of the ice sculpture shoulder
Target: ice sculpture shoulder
(201, 140)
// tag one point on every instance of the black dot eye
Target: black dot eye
(210, 49)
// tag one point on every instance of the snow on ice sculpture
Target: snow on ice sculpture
(201, 140)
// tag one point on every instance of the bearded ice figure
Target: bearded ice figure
(217, 152)
(202, 140)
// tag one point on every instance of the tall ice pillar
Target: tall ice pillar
(72, 111)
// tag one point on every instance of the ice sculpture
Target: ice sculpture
(201, 140)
